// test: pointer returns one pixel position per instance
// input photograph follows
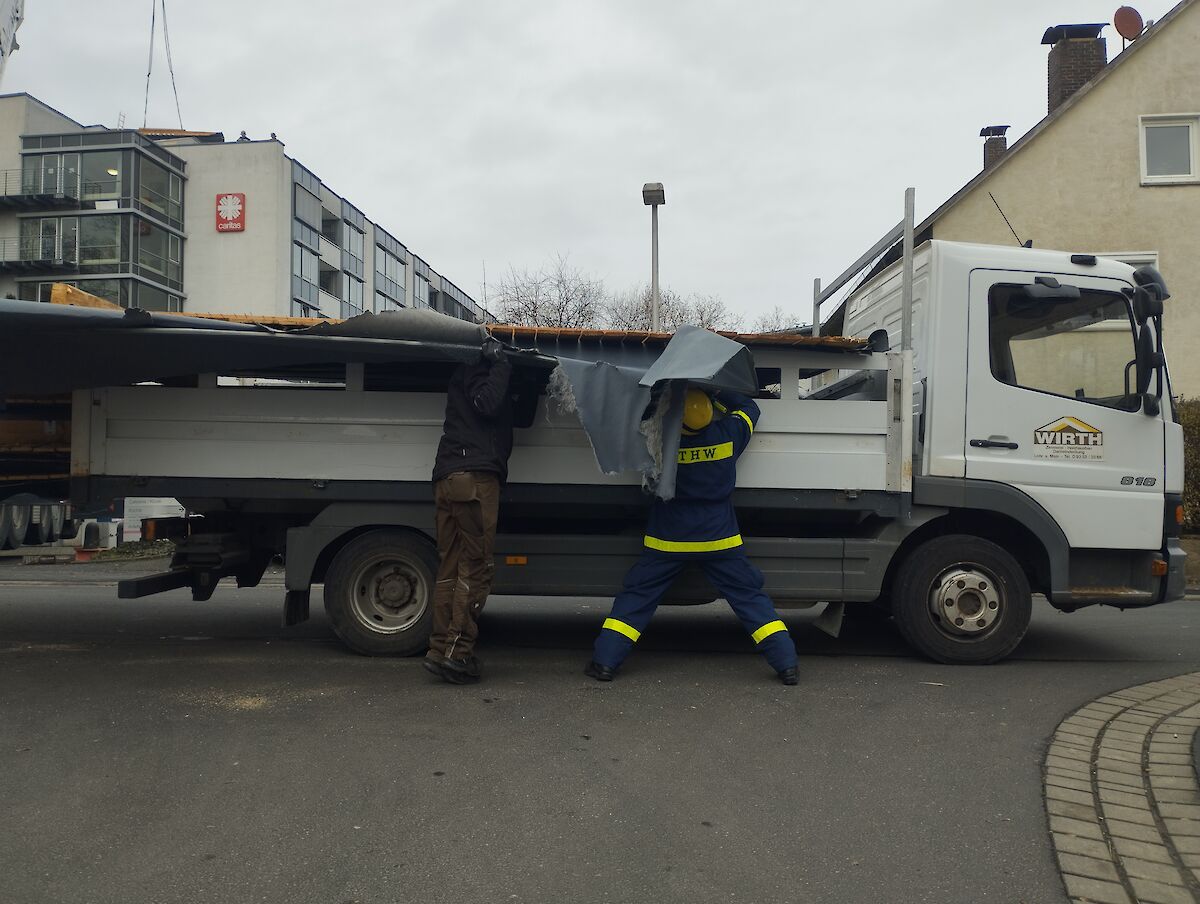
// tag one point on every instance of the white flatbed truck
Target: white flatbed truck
(1017, 438)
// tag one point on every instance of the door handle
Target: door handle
(992, 444)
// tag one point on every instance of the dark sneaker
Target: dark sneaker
(434, 667)
(790, 677)
(462, 671)
(599, 672)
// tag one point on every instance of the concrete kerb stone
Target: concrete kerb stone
(1122, 797)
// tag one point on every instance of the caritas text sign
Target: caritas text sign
(231, 212)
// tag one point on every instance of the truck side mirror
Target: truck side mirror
(1148, 361)
(1151, 280)
(1146, 303)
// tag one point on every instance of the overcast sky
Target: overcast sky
(511, 130)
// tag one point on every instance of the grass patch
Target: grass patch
(139, 549)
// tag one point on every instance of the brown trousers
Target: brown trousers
(467, 503)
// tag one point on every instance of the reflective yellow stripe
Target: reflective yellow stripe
(693, 545)
(621, 628)
(698, 454)
(745, 417)
(767, 630)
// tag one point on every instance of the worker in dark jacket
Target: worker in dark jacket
(699, 525)
(471, 466)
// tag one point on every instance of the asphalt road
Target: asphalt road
(169, 751)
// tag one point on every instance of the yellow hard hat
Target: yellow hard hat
(697, 410)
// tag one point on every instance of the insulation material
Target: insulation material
(560, 393)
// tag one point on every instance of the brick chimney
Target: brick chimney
(1077, 54)
(994, 145)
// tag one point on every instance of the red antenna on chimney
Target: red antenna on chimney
(1128, 22)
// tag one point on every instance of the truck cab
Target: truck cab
(1041, 391)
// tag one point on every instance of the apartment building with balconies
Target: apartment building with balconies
(173, 220)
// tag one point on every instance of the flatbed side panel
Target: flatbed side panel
(330, 435)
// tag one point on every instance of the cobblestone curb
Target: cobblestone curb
(1122, 796)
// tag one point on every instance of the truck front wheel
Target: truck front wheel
(962, 599)
(379, 593)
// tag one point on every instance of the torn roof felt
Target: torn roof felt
(109, 346)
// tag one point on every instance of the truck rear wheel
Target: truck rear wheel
(962, 599)
(379, 593)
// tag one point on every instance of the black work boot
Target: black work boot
(462, 671)
(790, 676)
(434, 667)
(599, 672)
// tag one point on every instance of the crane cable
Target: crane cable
(154, 4)
(170, 64)
(150, 62)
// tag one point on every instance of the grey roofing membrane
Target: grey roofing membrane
(48, 349)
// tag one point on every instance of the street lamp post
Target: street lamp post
(652, 196)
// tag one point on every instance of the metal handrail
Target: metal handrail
(26, 182)
(34, 248)
(902, 232)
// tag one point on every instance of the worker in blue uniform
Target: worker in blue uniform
(698, 525)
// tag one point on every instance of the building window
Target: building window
(50, 174)
(160, 191)
(1169, 149)
(352, 299)
(384, 303)
(420, 291)
(159, 252)
(331, 227)
(305, 269)
(99, 240)
(152, 299)
(308, 207)
(1077, 348)
(389, 279)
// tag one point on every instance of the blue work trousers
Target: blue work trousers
(735, 578)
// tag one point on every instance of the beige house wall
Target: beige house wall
(1077, 185)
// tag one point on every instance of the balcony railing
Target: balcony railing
(46, 254)
(32, 184)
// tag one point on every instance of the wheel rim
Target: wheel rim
(966, 601)
(388, 595)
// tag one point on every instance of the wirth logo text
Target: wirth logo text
(1069, 437)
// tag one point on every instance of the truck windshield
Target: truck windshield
(1081, 348)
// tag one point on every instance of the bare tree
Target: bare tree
(710, 313)
(774, 320)
(631, 310)
(557, 295)
(560, 295)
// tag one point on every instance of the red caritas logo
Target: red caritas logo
(231, 212)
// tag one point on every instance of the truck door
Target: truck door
(1052, 409)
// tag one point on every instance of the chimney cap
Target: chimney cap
(1068, 32)
(993, 131)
